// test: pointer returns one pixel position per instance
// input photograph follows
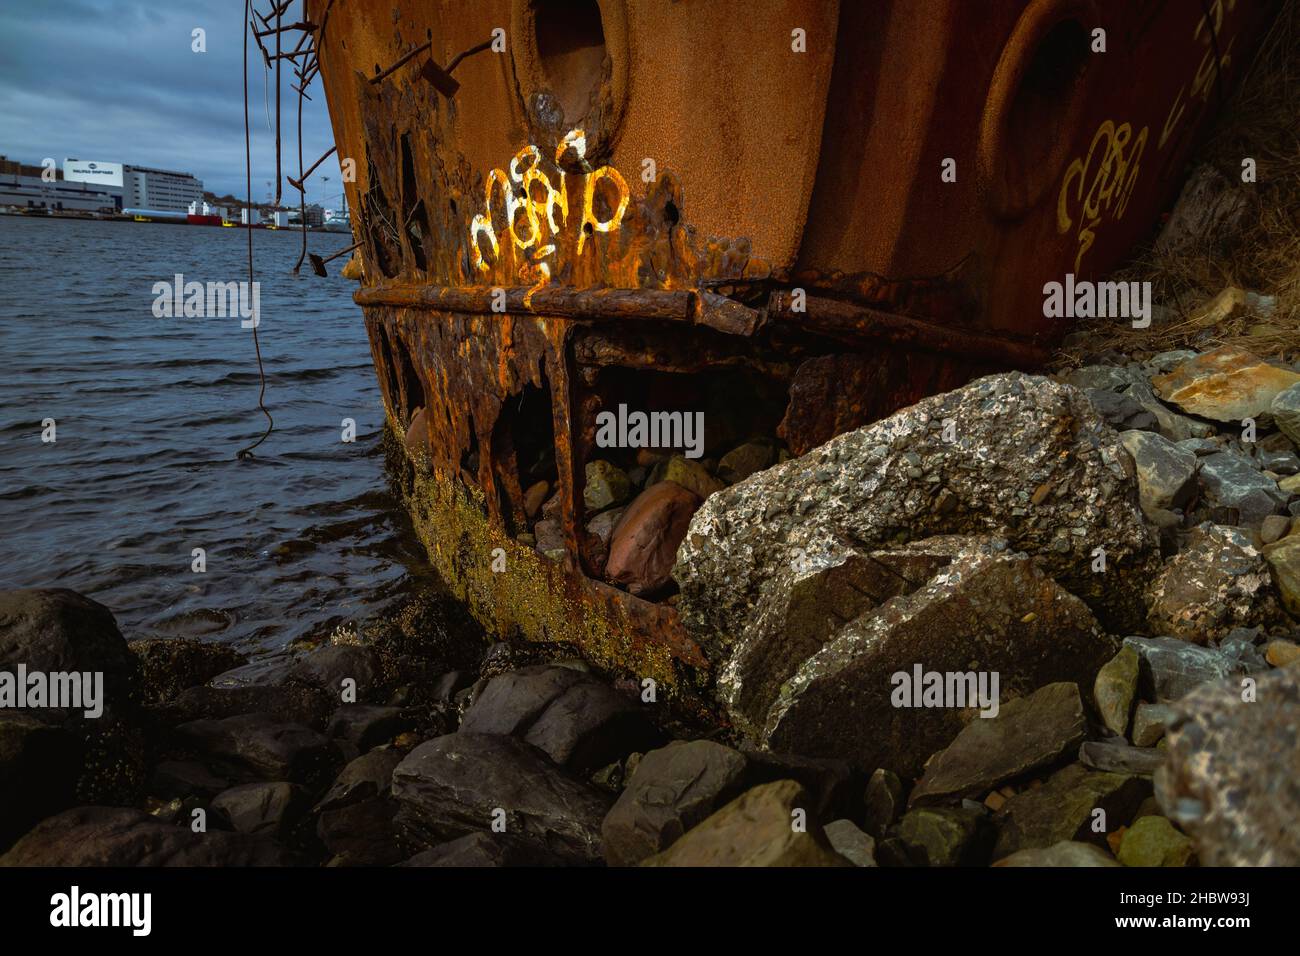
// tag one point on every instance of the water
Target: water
(149, 415)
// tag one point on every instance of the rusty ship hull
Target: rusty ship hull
(809, 214)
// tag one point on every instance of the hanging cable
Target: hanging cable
(247, 451)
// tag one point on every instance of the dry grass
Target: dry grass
(1261, 120)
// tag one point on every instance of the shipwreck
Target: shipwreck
(792, 218)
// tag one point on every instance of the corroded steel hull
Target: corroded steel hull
(650, 203)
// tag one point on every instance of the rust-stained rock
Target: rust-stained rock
(1226, 385)
(642, 548)
(1217, 582)
(1232, 780)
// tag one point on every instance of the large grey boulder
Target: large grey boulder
(465, 782)
(257, 746)
(1232, 779)
(1024, 458)
(988, 610)
(1166, 473)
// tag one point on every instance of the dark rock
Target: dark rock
(884, 802)
(590, 725)
(1116, 408)
(39, 767)
(755, 829)
(1171, 668)
(946, 836)
(992, 611)
(1064, 808)
(1028, 733)
(744, 460)
(57, 630)
(831, 784)
(1229, 480)
(368, 725)
(606, 485)
(455, 784)
(448, 685)
(116, 836)
(1015, 435)
(370, 775)
(644, 545)
(486, 849)
(1284, 563)
(185, 778)
(672, 790)
(329, 667)
(1285, 409)
(266, 809)
(289, 704)
(1218, 582)
(171, 665)
(511, 702)
(1232, 780)
(257, 745)
(1116, 757)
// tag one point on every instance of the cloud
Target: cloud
(117, 81)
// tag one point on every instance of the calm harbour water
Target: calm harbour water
(150, 413)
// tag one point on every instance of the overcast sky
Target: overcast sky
(116, 81)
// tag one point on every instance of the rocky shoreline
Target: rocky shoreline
(1120, 546)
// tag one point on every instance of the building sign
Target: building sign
(101, 174)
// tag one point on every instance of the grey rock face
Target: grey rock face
(512, 701)
(1115, 757)
(1233, 776)
(453, 785)
(990, 610)
(1217, 582)
(672, 790)
(1172, 668)
(851, 843)
(1031, 460)
(1286, 412)
(1028, 733)
(1170, 424)
(1229, 480)
(1166, 473)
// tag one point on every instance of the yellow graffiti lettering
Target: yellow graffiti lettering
(534, 205)
(1099, 184)
(588, 203)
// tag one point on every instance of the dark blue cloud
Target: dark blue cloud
(117, 81)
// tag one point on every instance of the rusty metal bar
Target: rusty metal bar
(297, 183)
(855, 323)
(402, 61)
(660, 304)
